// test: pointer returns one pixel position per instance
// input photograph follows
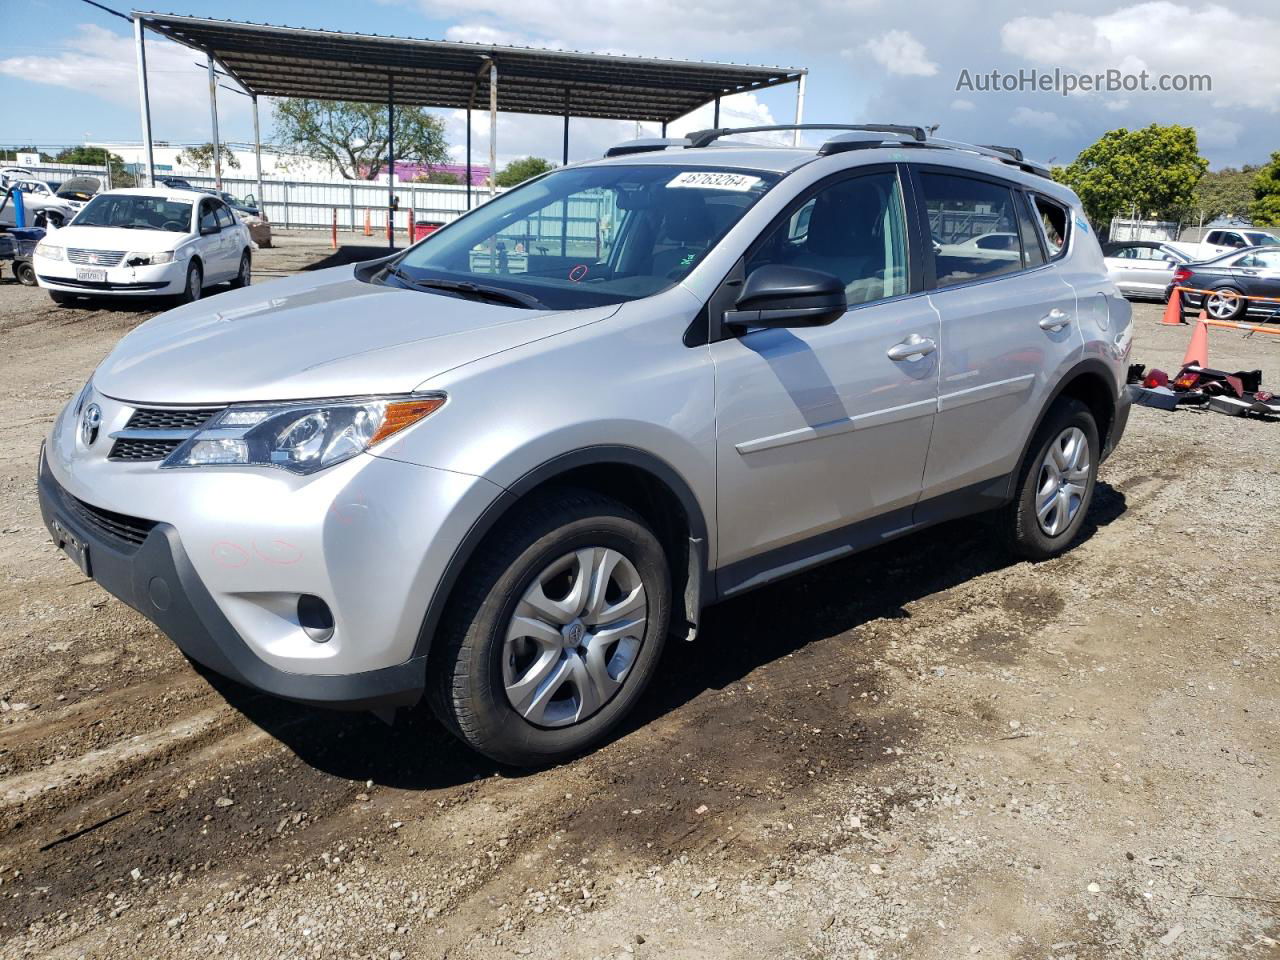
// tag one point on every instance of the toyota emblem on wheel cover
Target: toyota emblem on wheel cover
(90, 420)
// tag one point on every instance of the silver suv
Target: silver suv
(501, 467)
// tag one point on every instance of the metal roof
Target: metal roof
(330, 65)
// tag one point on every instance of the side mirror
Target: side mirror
(777, 295)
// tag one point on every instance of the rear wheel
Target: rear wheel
(1056, 485)
(1225, 304)
(555, 631)
(244, 275)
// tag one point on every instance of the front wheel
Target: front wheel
(1056, 485)
(555, 631)
(194, 286)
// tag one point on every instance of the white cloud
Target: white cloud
(1042, 121)
(900, 53)
(485, 33)
(963, 105)
(101, 63)
(1162, 37)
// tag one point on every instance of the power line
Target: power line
(114, 13)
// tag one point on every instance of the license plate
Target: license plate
(72, 546)
(93, 276)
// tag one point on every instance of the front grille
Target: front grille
(95, 258)
(128, 448)
(126, 531)
(159, 418)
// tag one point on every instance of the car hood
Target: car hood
(321, 334)
(117, 238)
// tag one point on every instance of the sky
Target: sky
(67, 69)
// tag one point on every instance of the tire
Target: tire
(1219, 305)
(244, 276)
(54, 220)
(1029, 536)
(60, 298)
(25, 273)
(475, 659)
(194, 286)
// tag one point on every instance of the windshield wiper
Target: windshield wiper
(467, 288)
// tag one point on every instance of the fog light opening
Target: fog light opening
(315, 618)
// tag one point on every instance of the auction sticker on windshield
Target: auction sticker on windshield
(714, 180)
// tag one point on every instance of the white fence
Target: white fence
(1126, 229)
(310, 204)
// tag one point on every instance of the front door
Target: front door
(820, 428)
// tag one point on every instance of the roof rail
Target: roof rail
(703, 138)
(645, 145)
(1011, 155)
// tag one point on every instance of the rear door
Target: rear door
(1259, 274)
(1009, 323)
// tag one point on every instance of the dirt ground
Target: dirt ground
(922, 752)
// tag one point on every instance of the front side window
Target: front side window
(224, 217)
(974, 226)
(208, 218)
(585, 237)
(854, 229)
(133, 212)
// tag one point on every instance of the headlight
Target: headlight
(144, 259)
(300, 437)
(48, 251)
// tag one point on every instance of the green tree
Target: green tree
(1152, 171)
(1266, 194)
(520, 170)
(99, 157)
(438, 176)
(1223, 193)
(201, 157)
(353, 136)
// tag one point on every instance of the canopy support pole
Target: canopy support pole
(715, 122)
(795, 135)
(213, 113)
(257, 153)
(144, 101)
(468, 158)
(664, 129)
(391, 163)
(493, 129)
(566, 127)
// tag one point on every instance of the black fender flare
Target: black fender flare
(1089, 365)
(698, 577)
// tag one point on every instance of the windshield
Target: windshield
(1261, 239)
(131, 211)
(586, 237)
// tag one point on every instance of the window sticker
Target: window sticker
(714, 180)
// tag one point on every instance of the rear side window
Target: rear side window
(1054, 223)
(974, 227)
(1032, 251)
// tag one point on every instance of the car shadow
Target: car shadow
(735, 638)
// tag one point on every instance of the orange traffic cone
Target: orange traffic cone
(1173, 312)
(1198, 348)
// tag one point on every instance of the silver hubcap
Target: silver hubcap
(193, 284)
(574, 637)
(1220, 305)
(244, 271)
(1064, 476)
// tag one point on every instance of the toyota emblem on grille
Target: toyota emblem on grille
(90, 421)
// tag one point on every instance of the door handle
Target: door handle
(912, 348)
(1054, 320)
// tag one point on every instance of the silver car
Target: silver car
(1142, 268)
(501, 468)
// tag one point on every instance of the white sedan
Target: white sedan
(145, 242)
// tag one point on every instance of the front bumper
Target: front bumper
(157, 579)
(145, 281)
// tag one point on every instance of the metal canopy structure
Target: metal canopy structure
(276, 61)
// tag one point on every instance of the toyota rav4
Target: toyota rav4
(502, 467)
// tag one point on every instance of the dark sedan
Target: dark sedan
(1252, 272)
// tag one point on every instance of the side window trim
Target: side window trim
(1027, 218)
